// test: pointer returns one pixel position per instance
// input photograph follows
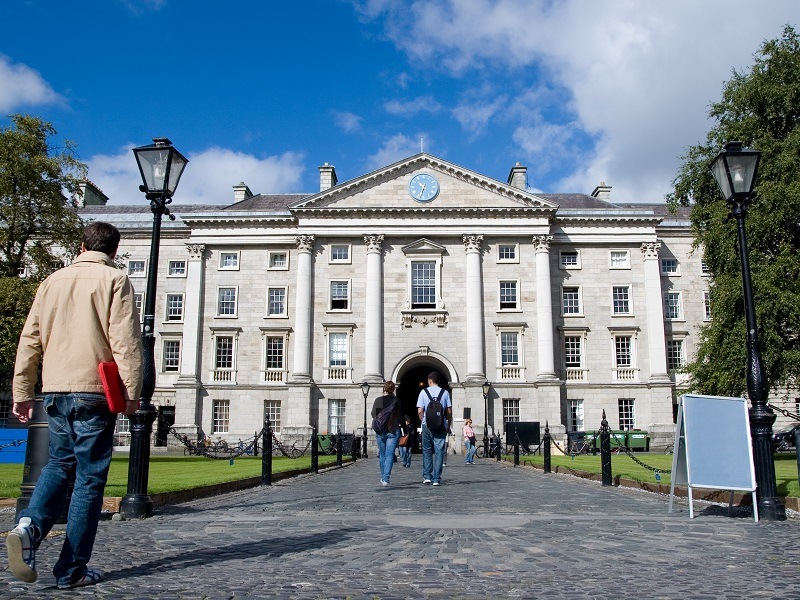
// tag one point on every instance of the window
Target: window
(619, 259)
(621, 299)
(176, 268)
(338, 365)
(340, 253)
(573, 355)
(274, 362)
(274, 352)
(705, 269)
(423, 284)
(627, 414)
(136, 268)
(229, 261)
(340, 295)
(624, 369)
(138, 300)
(507, 253)
(337, 349)
(675, 359)
(510, 410)
(272, 408)
(122, 431)
(336, 413)
(576, 415)
(221, 415)
(171, 356)
(278, 261)
(571, 301)
(669, 266)
(508, 295)
(276, 302)
(509, 348)
(672, 305)
(226, 302)
(224, 357)
(569, 259)
(174, 307)
(706, 306)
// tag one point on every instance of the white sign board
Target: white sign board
(712, 447)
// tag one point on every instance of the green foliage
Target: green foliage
(760, 107)
(16, 298)
(36, 216)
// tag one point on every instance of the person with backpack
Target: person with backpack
(434, 408)
(386, 420)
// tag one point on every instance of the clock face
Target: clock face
(423, 187)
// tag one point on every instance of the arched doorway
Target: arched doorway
(413, 381)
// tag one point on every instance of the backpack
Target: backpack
(434, 413)
(380, 424)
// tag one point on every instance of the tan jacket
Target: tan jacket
(83, 314)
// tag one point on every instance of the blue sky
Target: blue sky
(265, 92)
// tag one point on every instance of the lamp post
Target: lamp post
(161, 167)
(735, 170)
(365, 391)
(486, 387)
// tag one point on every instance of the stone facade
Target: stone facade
(568, 304)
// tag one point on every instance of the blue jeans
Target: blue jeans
(81, 439)
(405, 454)
(432, 453)
(471, 449)
(387, 442)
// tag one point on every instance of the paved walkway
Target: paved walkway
(489, 531)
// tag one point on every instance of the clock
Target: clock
(423, 187)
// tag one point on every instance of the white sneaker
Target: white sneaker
(21, 551)
(384, 483)
(91, 577)
(426, 481)
(435, 483)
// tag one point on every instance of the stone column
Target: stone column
(373, 343)
(476, 370)
(302, 316)
(656, 344)
(544, 308)
(192, 305)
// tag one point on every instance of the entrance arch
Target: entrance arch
(411, 376)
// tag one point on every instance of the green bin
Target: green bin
(638, 440)
(616, 438)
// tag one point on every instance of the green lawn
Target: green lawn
(622, 465)
(173, 473)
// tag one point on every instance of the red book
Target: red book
(112, 386)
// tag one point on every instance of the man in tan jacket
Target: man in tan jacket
(82, 315)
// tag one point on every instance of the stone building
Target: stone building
(568, 304)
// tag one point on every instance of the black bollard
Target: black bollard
(516, 449)
(497, 449)
(355, 448)
(605, 450)
(266, 453)
(797, 449)
(547, 465)
(255, 444)
(314, 450)
(339, 448)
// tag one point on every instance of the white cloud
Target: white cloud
(347, 121)
(474, 116)
(639, 76)
(22, 86)
(394, 149)
(208, 178)
(412, 107)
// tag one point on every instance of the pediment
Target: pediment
(423, 246)
(387, 190)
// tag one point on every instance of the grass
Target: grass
(624, 466)
(174, 473)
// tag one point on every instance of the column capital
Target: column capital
(305, 242)
(196, 251)
(374, 242)
(542, 242)
(650, 250)
(472, 242)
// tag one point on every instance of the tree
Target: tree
(16, 298)
(760, 107)
(37, 206)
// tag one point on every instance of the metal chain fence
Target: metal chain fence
(13, 444)
(621, 447)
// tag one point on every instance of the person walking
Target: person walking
(406, 441)
(387, 441)
(82, 315)
(469, 442)
(434, 434)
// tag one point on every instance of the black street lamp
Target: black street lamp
(486, 387)
(161, 167)
(365, 391)
(735, 170)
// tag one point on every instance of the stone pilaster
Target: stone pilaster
(656, 343)
(544, 308)
(373, 344)
(301, 372)
(476, 370)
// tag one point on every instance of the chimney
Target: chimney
(241, 192)
(602, 192)
(90, 195)
(518, 177)
(327, 177)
